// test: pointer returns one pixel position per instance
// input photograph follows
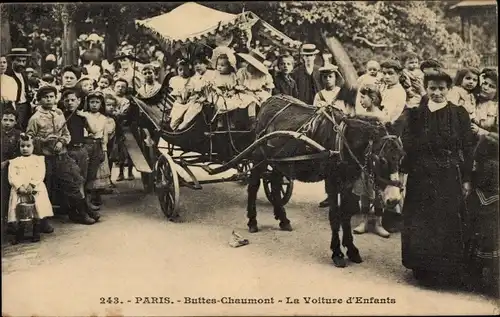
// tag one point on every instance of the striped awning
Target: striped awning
(192, 23)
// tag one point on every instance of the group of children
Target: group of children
(66, 152)
(227, 87)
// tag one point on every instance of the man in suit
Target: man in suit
(307, 74)
(19, 58)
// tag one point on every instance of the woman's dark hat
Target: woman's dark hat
(19, 51)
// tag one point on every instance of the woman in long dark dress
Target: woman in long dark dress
(438, 141)
(483, 203)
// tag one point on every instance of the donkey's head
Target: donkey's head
(383, 154)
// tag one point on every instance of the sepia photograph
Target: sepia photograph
(250, 158)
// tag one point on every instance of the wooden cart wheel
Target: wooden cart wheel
(149, 154)
(167, 186)
(286, 189)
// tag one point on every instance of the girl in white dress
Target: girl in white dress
(255, 83)
(200, 81)
(26, 175)
(96, 143)
(181, 91)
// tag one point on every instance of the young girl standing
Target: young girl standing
(96, 142)
(103, 178)
(464, 89)
(26, 175)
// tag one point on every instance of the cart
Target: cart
(164, 157)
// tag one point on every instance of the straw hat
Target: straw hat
(19, 51)
(82, 38)
(256, 59)
(330, 68)
(308, 49)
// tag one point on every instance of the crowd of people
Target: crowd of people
(62, 134)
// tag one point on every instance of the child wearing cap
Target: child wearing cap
(329, 96)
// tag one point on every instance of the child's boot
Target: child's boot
(36, 230)
(363, 226)
(84, 209)
(131, 176)
(379, 229)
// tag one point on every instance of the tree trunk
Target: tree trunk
(5, 39)
(112, 27)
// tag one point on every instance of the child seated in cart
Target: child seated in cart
(245, 90)
(29, 199)
(255, 82)
(199, 82)
(180, 90)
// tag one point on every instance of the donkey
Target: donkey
(361, 146)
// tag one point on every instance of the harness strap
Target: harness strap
(339, 145)
(274, 118)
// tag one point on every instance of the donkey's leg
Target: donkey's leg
(253, 188)
(279, 209)
(335, 220)
(349, 207)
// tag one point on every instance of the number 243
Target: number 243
(109, 300)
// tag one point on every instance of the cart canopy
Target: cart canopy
(192, 23)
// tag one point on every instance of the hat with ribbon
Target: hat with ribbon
(308, 49)
(256, 59)
(330, 68)
(19, 51)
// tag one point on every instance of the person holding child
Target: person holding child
(484, 200)
(26, 175)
